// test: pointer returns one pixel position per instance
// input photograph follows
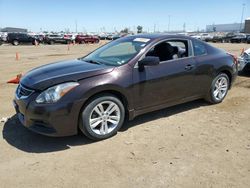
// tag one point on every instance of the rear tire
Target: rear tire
(102, 117)
(15, 42)
(219, 89)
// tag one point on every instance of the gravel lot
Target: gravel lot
(189, 145)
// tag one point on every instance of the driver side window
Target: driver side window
(169, 50)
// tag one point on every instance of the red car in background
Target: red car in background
(86, 39)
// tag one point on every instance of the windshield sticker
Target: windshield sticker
(141, 40)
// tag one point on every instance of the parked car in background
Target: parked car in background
(22, 38)
(197, 36)
(206, 37)
(56, 38)
(244, 61)
(223, 38)
(71, 37)
(239, 38)
(114, 36)
(109, 37)
(3, 36)
(81, 39)
(227, 37)
(248, 39)
(217, 38)
(127, 77)
(202, 36)
(40, 37)
(102, 36)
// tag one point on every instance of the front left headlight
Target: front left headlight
(53, 94)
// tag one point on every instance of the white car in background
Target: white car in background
(203, 36)
(3, 36)
(196, 36)
(70, 36)
(206, 37)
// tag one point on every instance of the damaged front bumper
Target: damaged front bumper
(244, 62)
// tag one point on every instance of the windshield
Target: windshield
(117, 52)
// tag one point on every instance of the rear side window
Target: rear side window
(199, 48)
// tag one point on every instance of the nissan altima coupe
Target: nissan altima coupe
(124, 78)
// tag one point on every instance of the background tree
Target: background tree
(139, 29)
(125, 30)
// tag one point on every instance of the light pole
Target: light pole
(76, 25)
(242, 15)
(169, 22)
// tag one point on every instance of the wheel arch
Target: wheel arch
(114, 92)
(229, 74)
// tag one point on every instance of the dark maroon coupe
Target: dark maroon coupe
(127, 77)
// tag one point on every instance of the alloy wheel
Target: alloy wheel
(220, 88)
(104, 117)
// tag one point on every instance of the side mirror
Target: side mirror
(148, 61)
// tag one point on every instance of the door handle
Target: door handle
(189, 67)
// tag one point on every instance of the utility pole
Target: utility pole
(242, 15)
(184, 27)
(169, 22)
(76, 25)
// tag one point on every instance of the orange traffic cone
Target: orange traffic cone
(15, 80)
(17, 56)
(242, 51)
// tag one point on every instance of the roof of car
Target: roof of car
(160, 36)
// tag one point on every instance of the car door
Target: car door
(23, 38)
(169, 82)
(58, 38)
(30, 39)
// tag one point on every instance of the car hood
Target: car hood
(65, 71)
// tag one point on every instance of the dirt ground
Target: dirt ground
(189, 145)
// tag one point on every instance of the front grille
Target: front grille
(23, 92)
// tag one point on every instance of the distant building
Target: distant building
(235, 27)
(247, 25)
(14, 30)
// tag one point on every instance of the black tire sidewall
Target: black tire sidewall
(15, 42)
(212, 97)
(85, 114)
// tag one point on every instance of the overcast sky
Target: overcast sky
(108, 15)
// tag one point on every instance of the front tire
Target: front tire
(102, 117)
(219, 89)
(15, 42)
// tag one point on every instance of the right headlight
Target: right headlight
(53, 94)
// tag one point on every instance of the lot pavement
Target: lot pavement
(189, 145)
